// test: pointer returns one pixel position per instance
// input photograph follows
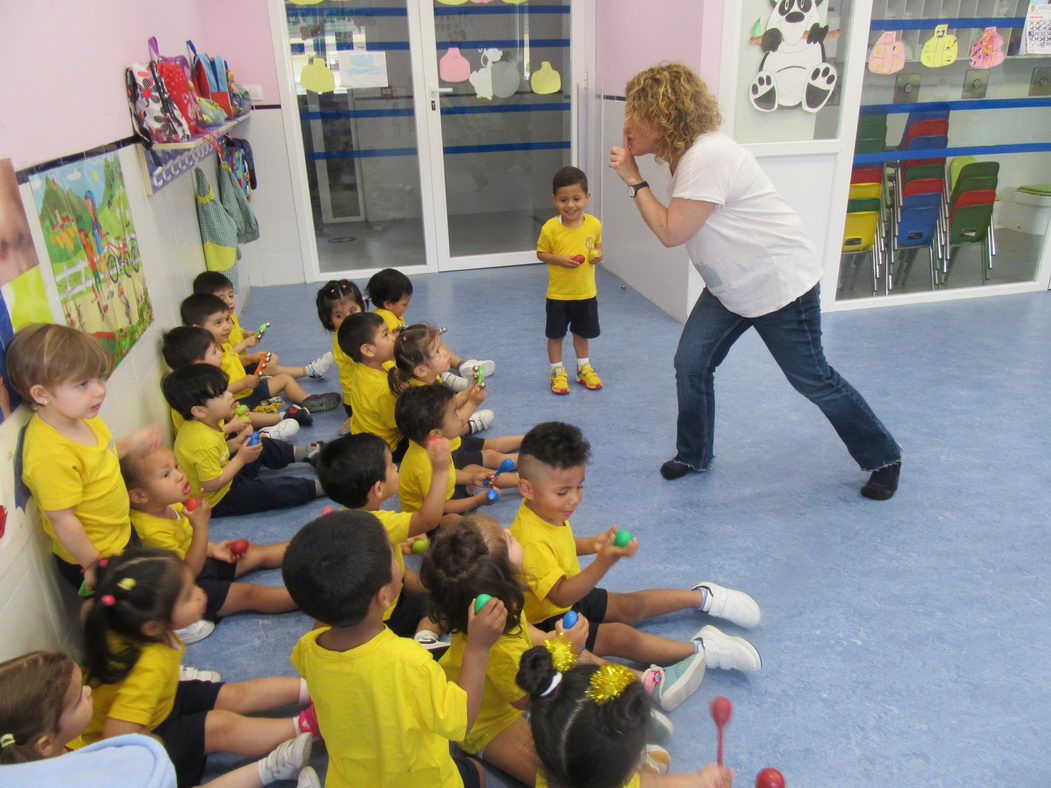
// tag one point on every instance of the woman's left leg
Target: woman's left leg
(793, 336)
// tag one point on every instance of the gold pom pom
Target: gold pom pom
(127, 583)
(608, 682)
(563, 655)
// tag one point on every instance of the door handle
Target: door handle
(435, 92)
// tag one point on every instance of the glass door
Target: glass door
(503, 106)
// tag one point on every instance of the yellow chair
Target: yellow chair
(863, 233)
(865, 190)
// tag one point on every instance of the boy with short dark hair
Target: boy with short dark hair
(369, 343)
(209, 312)
(551, 467)
(385, 708)
(571, 245)
(219, 285)
(230, 484)
(358, 472)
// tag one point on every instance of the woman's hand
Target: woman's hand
(622, 162)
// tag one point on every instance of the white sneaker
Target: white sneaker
(467, 367)
(286, 760)
(728, 652)
(308, 778)
(199, 630)
(319, 366)
(190, 673)
(660, 726)
(481, 420)
(655, 759)
(430, 640)
(283, 430)
(735, 606)
(454, 382)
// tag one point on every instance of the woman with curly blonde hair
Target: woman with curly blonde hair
(758, 266)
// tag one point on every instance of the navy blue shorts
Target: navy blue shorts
(215, 579)
(405, 618)
(470, 451)
(259, 394)
(581, 317)
(592, 607)
(183, 731)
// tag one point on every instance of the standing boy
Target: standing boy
(571, 245)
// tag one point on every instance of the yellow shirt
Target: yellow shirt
(373, 403)
(634, 782)
(394, 323)
(397, 527)
(165, 533)
(415, 474)
(202, 453)
(234, 369)
(346, 368)
(145, 696)
(570, 284)
(386, 710)
(549, 554)
(237, 334)
(64, 474)
(501, 689)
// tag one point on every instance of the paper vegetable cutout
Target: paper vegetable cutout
(506, 78)
(888, 55)
(794, 70)
(988, 50)
(453, 66)
(317, 77)
(482, 80)
(940, 49)
(546, 80)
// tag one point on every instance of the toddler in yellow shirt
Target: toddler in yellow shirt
(70, 461)
(386, 710)
(336, 300)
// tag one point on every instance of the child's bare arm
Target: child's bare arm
(461, 505)
(572, 589)
(596, 254)
(70, 532)
(142, 440)
(245, 454)
(198, 551)
(247, 382)
(558, 259)
(433, 508)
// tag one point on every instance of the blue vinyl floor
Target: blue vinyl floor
(905, 643)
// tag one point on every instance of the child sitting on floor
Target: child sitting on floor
(551, 465)
(426, 412)
(386, 710)
(337, 299)
(70, 462)
(357, 471)
(217, 284)
(231, 485)
(365, 338)
(160, 514)
(209, 312)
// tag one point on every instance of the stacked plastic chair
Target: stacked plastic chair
(966, 217)
(864, 231)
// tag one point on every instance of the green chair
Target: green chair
(870, 145)
(979, 169)
(971, 224)
(863, 204)
(924, 171)
(872, 126)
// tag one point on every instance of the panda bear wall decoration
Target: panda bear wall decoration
(794, 71)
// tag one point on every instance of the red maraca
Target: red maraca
(722, 709)
(238, 547)
(769, 778)
(189, 505)
(326, 510)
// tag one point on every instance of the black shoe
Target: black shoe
(673, 469)
(300, 414)
(319, 403)
(883, 483)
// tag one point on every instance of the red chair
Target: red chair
(867, 175)
(923, 128)
(923, 186)
(976, 197)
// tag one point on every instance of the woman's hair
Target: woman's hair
(676, 101)
(466, 561)
(48, 354)
(582, 742)
(410, 350)
(138, 586)
(332, 291)
(32, 690)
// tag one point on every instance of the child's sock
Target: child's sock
(318, 491)
(299, 453)
(582, 362)
(706, 600)
(556, 365)
(304, 694)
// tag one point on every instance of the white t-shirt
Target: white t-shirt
(752, 251)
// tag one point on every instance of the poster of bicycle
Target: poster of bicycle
(94, 253)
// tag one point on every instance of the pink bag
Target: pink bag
(175, 73)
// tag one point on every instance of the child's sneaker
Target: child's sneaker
(454, 382)
(728, 652)
(319, 366)
(660, 726)
(655, 759)
(306, 721)
(481, 420)
(190, 673)
(300, 414)
(734, 606)
(319, 403)
(283, 430)
(429, 640)
(286, 760)
(559, 381)
(466, 368)
(588, 378)
(308, 778)
(344, 427)
(313, 452)
(675, 683)
(198, 630)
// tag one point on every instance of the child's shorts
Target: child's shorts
(405, 617)
(592, 607)
(470, 451)
(259, 394)
(215, 579)
(465, 764)
(183, 731)
(348, 410)
(580, 316)
(74, 575)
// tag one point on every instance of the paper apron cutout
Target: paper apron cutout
(888, 54)
(316, 76)
(939, 50)
(988, 50)
(546, 80)
(453, 66)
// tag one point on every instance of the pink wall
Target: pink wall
(63, 64)
(631, 36)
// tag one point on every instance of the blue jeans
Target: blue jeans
(793, 336)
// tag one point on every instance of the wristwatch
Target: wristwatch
(634, 189)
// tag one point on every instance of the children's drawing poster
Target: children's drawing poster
(90, 239)
(22, 296)
(359, 68)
